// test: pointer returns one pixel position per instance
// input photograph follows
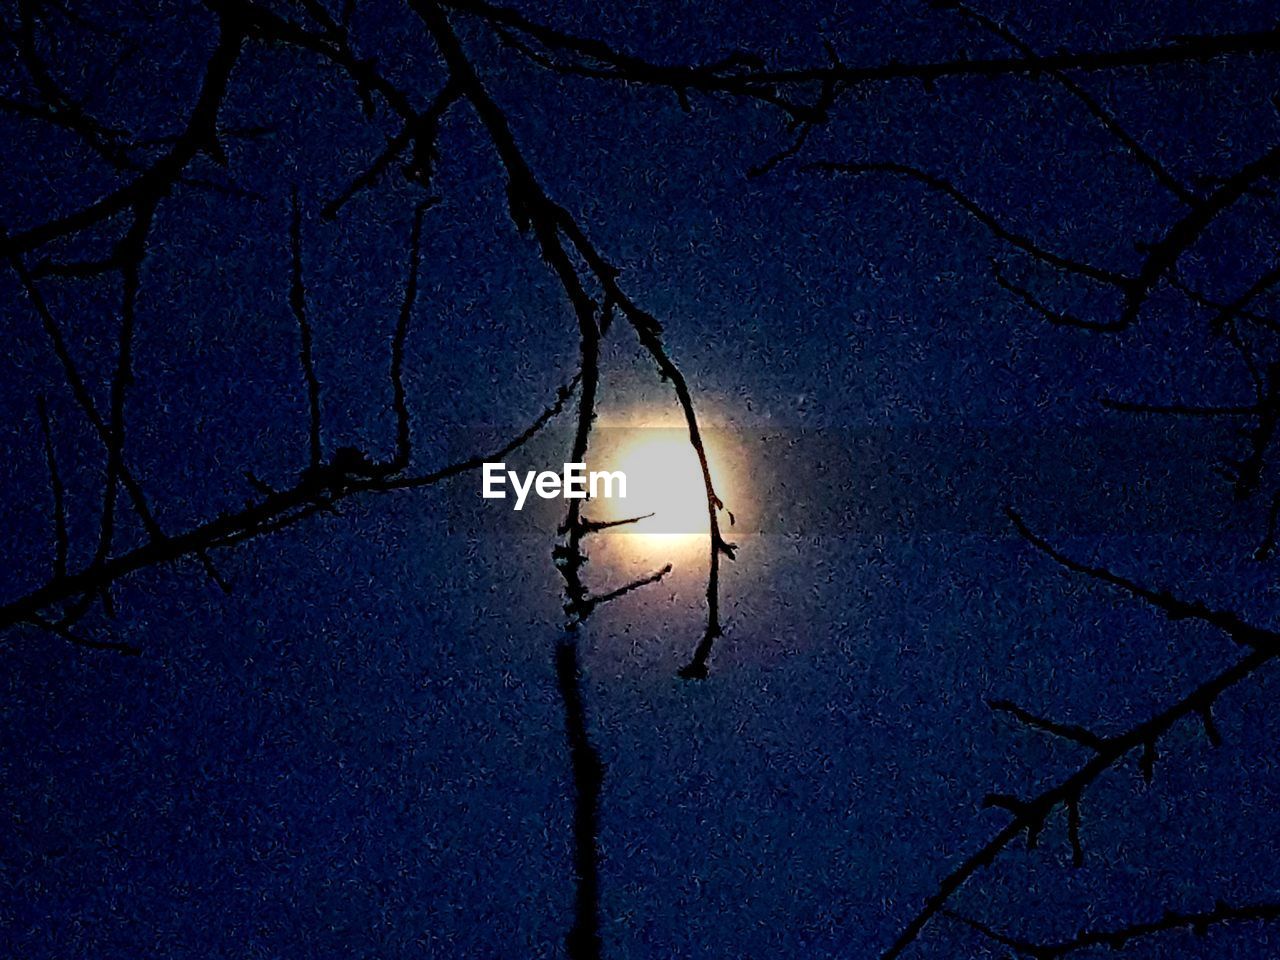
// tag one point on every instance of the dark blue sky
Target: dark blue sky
(360, 751)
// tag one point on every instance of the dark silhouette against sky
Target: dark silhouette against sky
(953, 328)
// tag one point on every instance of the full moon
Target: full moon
(664, 486)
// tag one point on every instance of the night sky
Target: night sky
(360, 750)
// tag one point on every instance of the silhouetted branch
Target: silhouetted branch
(788, 152)
(422, 131)
(583, 940)
(1268, 545)
(129, 261)
(590, 603)
(56, 105)
(532, 209)
(599, 60)
(1220, 322)
(595, 526)
(399, 401)
(1178, 409)
(474, 463)
(1248, 472)
(1094, 106)
(649, 332)
(55, 485)
(1060, 318)
(103, 431)
(298, 304)
(1028, 816)
(316, 491)
(743, 75)
(200, 135)
(805, 97)
(1198, 923)
(1076, 734)
(64, 631)
(333, 45)
(1073, 831)
(1161, 257)
(993, 225)
(1237, 307)
(1173, 607)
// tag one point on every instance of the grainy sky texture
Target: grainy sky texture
(360, 750)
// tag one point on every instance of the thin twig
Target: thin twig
(298, 304)
(61, 545)
(273, 512)
(1093, 105)
(742, 75)
(1028, 816)
(1120, 937)
(1077, 734)
(404, 447)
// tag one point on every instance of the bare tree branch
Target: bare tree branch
(421, 131)
(59, 498)
(993, 225)
(1120, 937)
(101, 428)
(199, 136)
(1076, 734)
(589, 604)
(1236, 308)
(583, 940)
(1028, 816)
(62, 630)
(314, 492)
(743, 75)
(298, 303)
(595, 526)
(1094, 106)
(129, 260)
(1161, 257)
(404, 446)
(1179, 409)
